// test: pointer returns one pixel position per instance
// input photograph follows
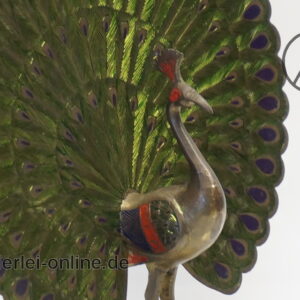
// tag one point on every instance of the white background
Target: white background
(276, 274)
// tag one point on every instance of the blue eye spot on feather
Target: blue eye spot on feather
(229, 192)
(221, 270)
(252, 12)
(269, 103)
(68, 135)
(265, 165)
(85, 203)
(258, 194)
(5, 216)
(47, 50)
(27, 93)
(268, 134)
(92, 100)
(124, 29)
(22, 143)
(24, 116)
(84, 26)
(236, 146)
(82, 241)
(267, 74)
(21, 287)
(215, 26)
(224, 51)
(142, 36)
(259, 42)
(72, 282)
(50, 211)
(105, 24)
(250, 222)
(238, 247)
(75, 184)
(48, 297)
(101, 220)
(238, 123)
(28, 166)
(151, 124)
(235, 169)
(202, 5)
(37, 70)
(231, 77)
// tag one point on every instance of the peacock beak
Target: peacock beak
(199, 100)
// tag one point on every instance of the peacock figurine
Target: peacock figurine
(146, 131)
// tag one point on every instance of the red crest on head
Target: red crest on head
(175, 95)
(168, 68)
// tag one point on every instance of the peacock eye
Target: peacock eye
(84, 26)
(124, 29)
(113, 96)
(105, 23)
(142, 36)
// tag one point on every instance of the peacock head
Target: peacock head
(168, 62)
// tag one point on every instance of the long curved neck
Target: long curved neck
(201, 172)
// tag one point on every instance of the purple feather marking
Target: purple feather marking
(238, 247)
(76, 184)
(69, 135)
(236, 123)
(18, 236)
(5, 216)
(106, 25)
(230, 78)
(35, 253)
(259, 42)
(25, 116)
(190, 119)
(250, 222)
(236, 146)
(84, 29)
(102, 220)
(50, 211)
(79, 117)
(102, 249)
(134, 104)
(82, 240)
(38, 189)
(269, 103)
(48, 297)
(237, 102)
(142, 36)
(257, 194)
(37, 70)
(114, 99)
(221, 270)
(252, 12)
(266, 165)
(24, 142)
(28, 93)
(220, 53)
(268, 134)
(49, 53)
(21, 287)
(266, 74)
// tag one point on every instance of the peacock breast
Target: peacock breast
(152, 227)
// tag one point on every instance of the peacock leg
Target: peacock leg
(168, 284)
(155, 279)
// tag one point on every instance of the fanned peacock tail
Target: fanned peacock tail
(83, 121)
